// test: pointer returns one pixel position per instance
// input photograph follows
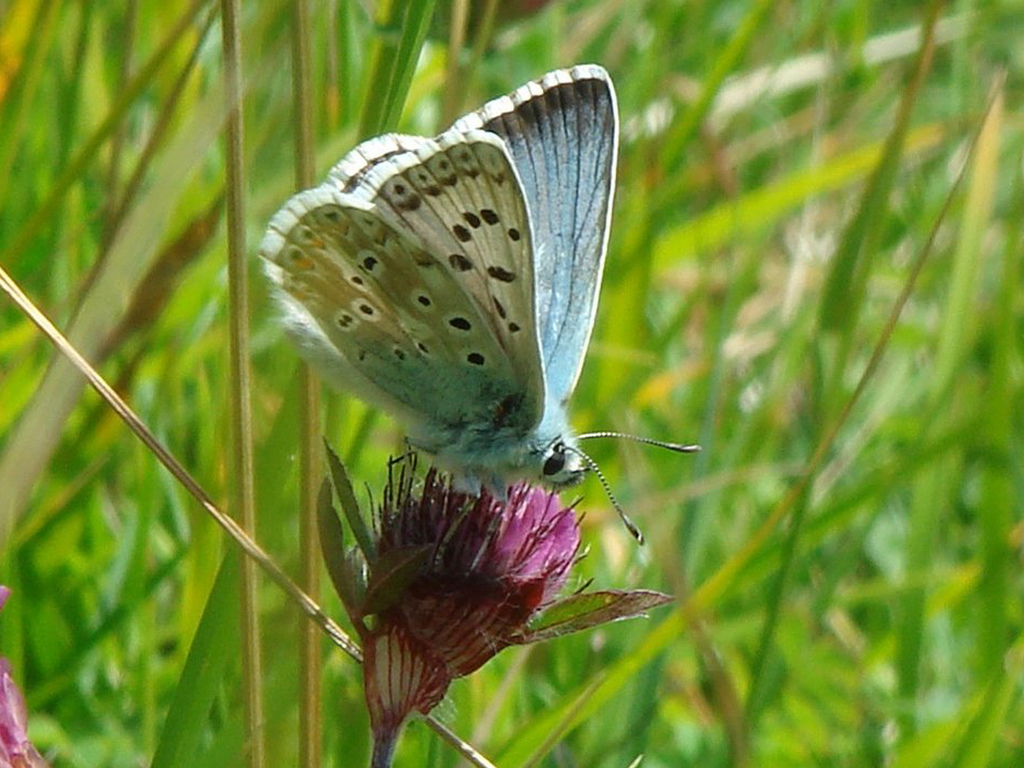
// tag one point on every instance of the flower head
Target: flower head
(451, 579)
(489, 565)
(16, 751)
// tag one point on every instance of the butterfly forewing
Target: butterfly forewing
(351, 170)
(460, 197)
(562, 134)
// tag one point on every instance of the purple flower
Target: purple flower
(16, 751)
(452, 580)
(490, 565)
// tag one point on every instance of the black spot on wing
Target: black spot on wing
(460, 263)
(501, 274)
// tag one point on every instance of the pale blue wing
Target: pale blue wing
(562, 134)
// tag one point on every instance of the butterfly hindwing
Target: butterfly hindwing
(412, 339)
(562, 134)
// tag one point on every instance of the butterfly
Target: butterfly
(453, 281)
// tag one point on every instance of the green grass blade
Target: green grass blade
(213, 649)
(996, 508)
(937, 482)
(679, 139)
(403, 27)
(851, 264)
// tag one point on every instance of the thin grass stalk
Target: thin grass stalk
(723, 689)
(378, 77)
(692, 526)
(310, 660)
(724, 693)
(483, 728)
(332, 67)
(243, 490)
(565, 724)
(343, 89)
(392, 63)
(201, 679)
(985, 732)
(454, 88)
(415, 23)
(310, 464)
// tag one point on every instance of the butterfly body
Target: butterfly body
(453, 281)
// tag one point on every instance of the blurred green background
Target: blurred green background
(846, 550)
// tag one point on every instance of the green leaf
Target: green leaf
(349, 505)
(213, 648)
(342, 567)
(584, 611)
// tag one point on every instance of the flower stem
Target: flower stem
(384, 749)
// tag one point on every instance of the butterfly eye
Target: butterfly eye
(555, 462)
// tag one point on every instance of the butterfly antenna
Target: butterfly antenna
(626, 521)
(677, 447)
